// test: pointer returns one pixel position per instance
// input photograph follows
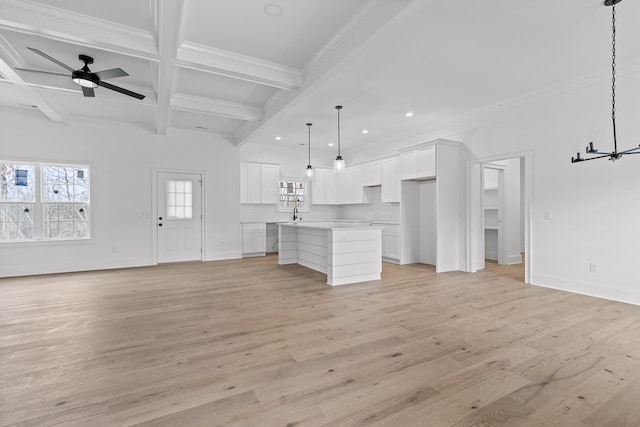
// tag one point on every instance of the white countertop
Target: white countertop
(332, 225)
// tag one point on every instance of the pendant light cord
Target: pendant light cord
(309, 143)
(613, 75)
(338, 107)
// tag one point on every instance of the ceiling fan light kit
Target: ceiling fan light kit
(591, 150)
(87, 79)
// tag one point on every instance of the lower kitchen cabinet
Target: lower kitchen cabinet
(390, 242)
(254, 239)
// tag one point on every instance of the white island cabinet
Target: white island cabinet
(346, 253)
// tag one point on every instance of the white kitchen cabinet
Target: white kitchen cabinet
(390, 180)
(418, 163)
(372, 174)
(331, 188)
(259, 183)
(250, 183)
(426, 162)
(319, 192)
(408, 165)
(390, 242)
(254, 238)
(433, 208)
(269, 177)
(349, 189)
(325, 187)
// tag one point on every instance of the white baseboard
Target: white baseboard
(39, 269)
(222, 255)
(588, 289)
(514, 259)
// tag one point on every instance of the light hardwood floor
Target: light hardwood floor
(250, 343)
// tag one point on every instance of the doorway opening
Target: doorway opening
(505, 214)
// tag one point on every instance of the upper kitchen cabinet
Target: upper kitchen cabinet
(343, 188)
(350, 191)
(418, 163)
(259, 183)
(390, 180)
(325, 187)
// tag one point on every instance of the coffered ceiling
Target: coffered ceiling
(254, 70)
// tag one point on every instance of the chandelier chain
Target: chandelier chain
(613, 62)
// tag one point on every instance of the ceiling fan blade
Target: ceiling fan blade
(54, 60)
(121, 90)
(43, 72)
(111, 74)
(88, 92)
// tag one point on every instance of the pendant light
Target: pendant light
(309, 171)
(615, 154)
(338, 163)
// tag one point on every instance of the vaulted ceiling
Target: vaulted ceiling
(254, 70)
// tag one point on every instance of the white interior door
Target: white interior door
(493, 206)
(179, 221)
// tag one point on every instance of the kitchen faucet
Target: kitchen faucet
(295, 213)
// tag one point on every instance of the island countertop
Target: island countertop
(332, 225)
(345, 252)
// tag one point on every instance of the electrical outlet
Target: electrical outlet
(594, 268)
(548, 215)
(222, 243)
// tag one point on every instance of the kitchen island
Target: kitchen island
(345, 252)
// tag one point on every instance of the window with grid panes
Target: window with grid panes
(40, 201)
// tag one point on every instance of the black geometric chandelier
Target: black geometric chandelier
(615, 154)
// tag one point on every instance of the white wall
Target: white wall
(594, 206)
(121, 159)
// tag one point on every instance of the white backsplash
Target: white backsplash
(269, 213)
(373, 211)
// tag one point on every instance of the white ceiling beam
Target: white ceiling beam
(170, 21)
(204, 58)
(43, 20)
(30, 95)
(219, 108)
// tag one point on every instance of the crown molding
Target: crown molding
(216, 107)
(345, 33)
(233, 65)
(43, 20)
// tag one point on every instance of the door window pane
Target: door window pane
(179, 198)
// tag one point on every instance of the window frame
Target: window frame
(38, 215)
(307, 199)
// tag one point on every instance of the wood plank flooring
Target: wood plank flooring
(250, 343)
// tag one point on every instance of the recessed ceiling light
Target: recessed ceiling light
(107, 106)
(278, 138)
(273, 9)
(331, 144)
(365, 131)
(201, 127)
(409, 114)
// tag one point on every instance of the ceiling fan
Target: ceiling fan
(84, 77)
